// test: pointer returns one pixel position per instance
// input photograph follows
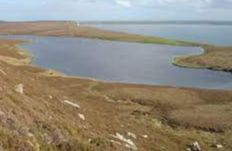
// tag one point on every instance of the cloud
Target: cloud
(124, 3)
(194, 4)
(162, 4)
(116, 9)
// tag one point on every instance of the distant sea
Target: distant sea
(218, 34)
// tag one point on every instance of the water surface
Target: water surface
(122, 62)
(213, 34)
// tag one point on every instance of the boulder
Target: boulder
(196, 146)
(19, 88)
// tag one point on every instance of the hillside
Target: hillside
(43, 110)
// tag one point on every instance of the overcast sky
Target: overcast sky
(115, 10)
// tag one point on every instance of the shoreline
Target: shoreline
(214, 57)
(174, 61)
(54, 73)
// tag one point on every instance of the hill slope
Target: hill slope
(41, 110)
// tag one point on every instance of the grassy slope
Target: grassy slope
(71, 29)
(214, 57)
(39, 119)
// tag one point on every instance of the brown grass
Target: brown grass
(70, 29)
(215, 57)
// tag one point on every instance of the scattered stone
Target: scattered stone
(157, 123)
(30, 134)
(128, 143)
(50, 97)
(196, 147)
(218, 146)
(131, 135)
(188, 149)
(72, 104)
(81, 116)
(145, 136)
(115, 142)
(19, 88)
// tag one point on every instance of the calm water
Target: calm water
(214, 34)
(122, 62)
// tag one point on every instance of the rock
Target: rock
(115, 142)
(188, 149)
(81, 116)
(50, 117)
(30, 134)
(131, 135)
(128, 143)
(218, 146)
(196, 146)
(72, 104)
(50, 97)
(19, 88)
(145, 136)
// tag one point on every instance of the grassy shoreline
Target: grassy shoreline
(214, 57)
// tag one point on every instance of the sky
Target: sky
(87, 10)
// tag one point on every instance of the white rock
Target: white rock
(188, 149)
(115, 142)
(145, 136)
(19, 88)
(50, 97)
(128, 143)
(219, 146)
(30, 134)
(81, 116)
(131, 135)
(196, 146)
(72, 104)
